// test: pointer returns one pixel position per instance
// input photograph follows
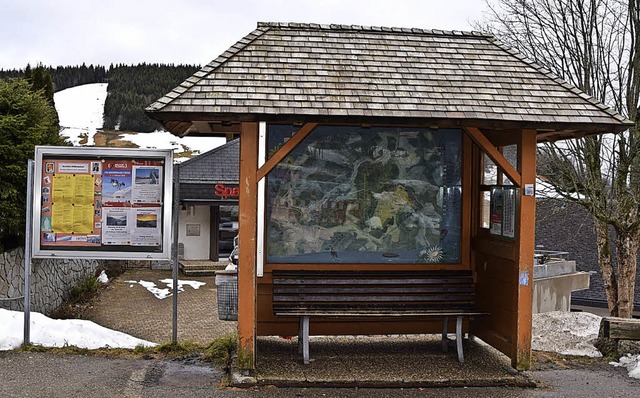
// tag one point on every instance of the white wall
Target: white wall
(195, 247)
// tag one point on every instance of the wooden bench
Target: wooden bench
(366, 294)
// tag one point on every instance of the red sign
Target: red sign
(225, 192)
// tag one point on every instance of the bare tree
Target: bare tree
(592, 44)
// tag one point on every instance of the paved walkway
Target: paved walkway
(402, 361)
(131, 308)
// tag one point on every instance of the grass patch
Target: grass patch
(164, 351)
(108, 138)
(175, 350)
(86, 290)
(79, 300)
(541, 360)
(222, 350)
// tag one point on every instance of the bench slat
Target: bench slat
(367, 298)
(372, 290)
(356, 281)
(362, 314)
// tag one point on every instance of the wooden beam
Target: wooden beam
(286, 149)
(525, 245)
(247, 217)
(621, 328)
(495, 155)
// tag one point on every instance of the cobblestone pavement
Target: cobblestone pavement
(131, 308)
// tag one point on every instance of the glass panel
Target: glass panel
(485, 207)
(228, 229)
(278, 135)
(366, 195)
(490, 171)
(511, 154)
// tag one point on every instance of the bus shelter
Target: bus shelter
(368, 148)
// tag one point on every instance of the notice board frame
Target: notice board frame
(142, 170)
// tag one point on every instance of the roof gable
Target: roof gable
(308, 71)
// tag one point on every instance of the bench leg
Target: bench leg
(459, 339)
(445, 332)
(300, 335)
(303, 339)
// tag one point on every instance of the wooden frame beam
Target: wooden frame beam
(247, 232)
(525, 246)
(286, 149)
(483, 142)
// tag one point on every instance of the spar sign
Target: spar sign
(226, 191)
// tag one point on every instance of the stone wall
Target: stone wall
(50, 280)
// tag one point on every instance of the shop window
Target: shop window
(365, 195)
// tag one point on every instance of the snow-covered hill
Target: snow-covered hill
(81, 111)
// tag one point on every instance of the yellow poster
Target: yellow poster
(72, 200)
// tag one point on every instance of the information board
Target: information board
(103, 203)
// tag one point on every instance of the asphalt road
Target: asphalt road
(52, 375)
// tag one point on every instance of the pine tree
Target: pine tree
(27, 119)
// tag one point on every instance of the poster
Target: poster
(497, 202)
(68, 203)
(146, 226)
(503, 211)
(509, 213)
(147, 184)
(102, 199)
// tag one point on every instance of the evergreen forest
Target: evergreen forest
(131, 87)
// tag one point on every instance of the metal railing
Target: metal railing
(548, 256)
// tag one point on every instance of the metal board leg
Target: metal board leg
(305, 339)
(459, 339)
(444, 334)
(300, 335)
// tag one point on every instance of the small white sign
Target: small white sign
(529, 190)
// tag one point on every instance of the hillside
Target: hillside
(81, 110)
(130, 88)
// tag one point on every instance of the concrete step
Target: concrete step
(201, 268)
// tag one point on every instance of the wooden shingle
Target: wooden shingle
(313, 72)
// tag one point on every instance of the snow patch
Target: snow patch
(162, 293)
(49, 332)
(567, 333)
(102, 278)
(632, 363)
(81, 113)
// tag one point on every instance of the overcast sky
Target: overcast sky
(70, 32)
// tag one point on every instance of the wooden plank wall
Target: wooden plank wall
(496, 291)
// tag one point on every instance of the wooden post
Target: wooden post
(525, 244)
(247, 217)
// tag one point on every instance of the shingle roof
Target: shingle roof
(335, 72)
(219, 165)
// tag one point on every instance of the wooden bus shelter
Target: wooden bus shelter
(389, 149)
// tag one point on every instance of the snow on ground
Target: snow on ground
(568, 333)
(573, 333)
(49, 332)
(632, 363)
(81, 112)
(163, 293)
